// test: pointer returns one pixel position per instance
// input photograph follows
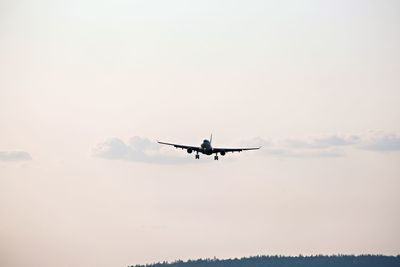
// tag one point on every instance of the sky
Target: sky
(87, 87)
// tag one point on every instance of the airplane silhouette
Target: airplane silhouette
(207, 149)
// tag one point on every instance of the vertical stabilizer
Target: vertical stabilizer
(211, 139)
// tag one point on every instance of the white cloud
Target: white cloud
(333, 145)
(14, 155)
(294, 148)
(141, 149)
(137, 149)
(381, 141)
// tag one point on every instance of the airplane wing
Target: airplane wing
(194, 148)
(219, 150)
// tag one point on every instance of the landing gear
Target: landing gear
(197, 156)
(216, 157)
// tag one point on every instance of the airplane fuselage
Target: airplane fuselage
(206, 147)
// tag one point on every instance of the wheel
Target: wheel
(197, 156)
(216, 158)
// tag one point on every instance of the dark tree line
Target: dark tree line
(289, 261)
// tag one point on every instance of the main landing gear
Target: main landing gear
(197, 156)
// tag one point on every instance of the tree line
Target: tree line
(288, 261)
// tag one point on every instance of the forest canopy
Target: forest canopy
(288, 261)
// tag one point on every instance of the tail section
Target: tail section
(210, 139)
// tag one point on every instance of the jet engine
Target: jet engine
(189, 150)
(222, 153)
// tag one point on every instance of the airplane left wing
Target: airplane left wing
(219, 150)
(194, 148)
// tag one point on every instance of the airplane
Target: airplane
(207, 149)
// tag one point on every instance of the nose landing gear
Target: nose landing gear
(197, 156)
(216, 157)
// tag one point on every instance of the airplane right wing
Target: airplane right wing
(194, 148)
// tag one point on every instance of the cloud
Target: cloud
(137, 149)
(380, 141)
(334, 145)
(14, 155)
(304, 148)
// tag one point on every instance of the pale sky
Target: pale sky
(86, 87)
